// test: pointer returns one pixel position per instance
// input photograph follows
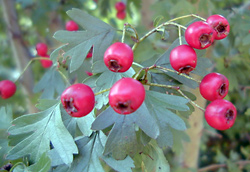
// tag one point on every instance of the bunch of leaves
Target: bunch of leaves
(110, 137)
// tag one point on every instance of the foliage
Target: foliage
(146, 140)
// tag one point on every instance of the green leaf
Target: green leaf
(97, 34)
(31, 134)
(90, 153)
(102, 84)
(122, 140)
(157, 104)
(43, 164)
(154, 159)
(50, 83)
(5, 123)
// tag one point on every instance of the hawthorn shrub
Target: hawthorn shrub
(128, 115)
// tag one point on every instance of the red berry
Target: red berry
(220, 114)
(78, 100)
(214, 86)
(121, 15)
(120, 6)
(46, 63)
(126, 95)
(71, 26)
(7, 89)
(199, 35)
(118, 57)
(220, 26)
(41, 49)
(90, 53)
(89, 73)
(183, 59)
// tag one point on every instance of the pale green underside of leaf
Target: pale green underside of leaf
(90, 156)
(43, 127)
(96, 33)
(122, 139)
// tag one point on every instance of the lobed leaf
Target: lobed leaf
(32, 133)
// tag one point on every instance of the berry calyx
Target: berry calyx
(78, 100)
(220, 25)
(220, 114)
(41, 49)
(126, 96)
(214, 86)
(199, 35)
(7, 89)
(120, 6)
(71, 26)
(46, 63)
(121, 15)
(183, 59)
(118, 57)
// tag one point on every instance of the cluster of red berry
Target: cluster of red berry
(125, 96)
(121, 10)
(219, 114)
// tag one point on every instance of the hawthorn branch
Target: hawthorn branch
(213, 167)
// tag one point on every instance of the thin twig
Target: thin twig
(213, 167)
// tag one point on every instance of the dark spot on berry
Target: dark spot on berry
(205, 39)
(229, 115)
(220, 28)
(124, 107)
(160, 168)
(186, 70)
(114, 65)
(223, 89)
(70, 106)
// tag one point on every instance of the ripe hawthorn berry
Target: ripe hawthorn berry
(220, 114)
(41, 49)
(71, 26)
(183, 59)
(118, 57)
(199, 35)
(46, 63)
(121, 15)
(120, 6)
(90, 53)
(220, 25)
(78, 100)
(126, 96)
(214, 86)
(7, 89)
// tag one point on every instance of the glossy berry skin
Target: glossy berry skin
(46, 63)
(121, 15)
(71, 26)
(120, 6)
(78, 100)
(7, 89)
(118, 57)
(199, 35)
(126, 96)
(214, 86)
(220, 114)
(41, 49)
(183, 59)
(220, 25)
